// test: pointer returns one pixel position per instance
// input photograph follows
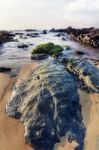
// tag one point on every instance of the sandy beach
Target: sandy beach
(12, 131)
(90, 112)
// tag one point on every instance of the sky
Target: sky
(25, 14)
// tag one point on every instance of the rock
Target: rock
(86, 72)
(39, 56)
(48, 49)
(22, 46)
(58, 30)
(47, 103)
(33, 35)
(44, 31)
(58, 35)
(78, 52)
(3, 69)
(86, 36)
(63, 39)
(67, 47)
(19, 33)
(6, 37)
(30, 30)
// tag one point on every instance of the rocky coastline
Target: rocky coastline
(86, 36)
(47, 100)
(45, 95)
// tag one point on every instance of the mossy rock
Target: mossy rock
(48, 48)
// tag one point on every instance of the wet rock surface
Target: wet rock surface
(47, 103)
(86, 72)
(6, 37)
(3, 69)
(22, 46)
(86, 36)
(39, 56)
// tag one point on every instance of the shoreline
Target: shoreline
(12, 130)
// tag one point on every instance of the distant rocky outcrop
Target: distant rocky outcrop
(33, 35)
(86, 36)
(6, 36)
(47, 103)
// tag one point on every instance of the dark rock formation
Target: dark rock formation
(19, 33)
(86, 36)
(47, 103)
(22, 46)
(44, 31)
(30, 30)
(86, 72)
(3, 69)
(6, 36)
(39, 56)
(78, 52)
(58, 30)
(33, 35)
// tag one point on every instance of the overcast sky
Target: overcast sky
(21, 14)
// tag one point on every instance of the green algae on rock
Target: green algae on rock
(48, 49)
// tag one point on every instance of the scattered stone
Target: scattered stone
(58, 35)
(67, 47)
(78, 52)
(44, 31)
(19, 33)
(63, 39)
(33, 35)
(3, 69)
(23, 46)
(30, 30)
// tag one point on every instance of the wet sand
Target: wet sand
(90, 112)
(11, 130)
(4, 81)
(92, 140)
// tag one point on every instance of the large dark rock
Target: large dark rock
(47, 103)
(3, 69)
(23, 46)
(48, 49)
(6, 36)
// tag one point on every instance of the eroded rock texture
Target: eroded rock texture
(86, 72)
(47, 103)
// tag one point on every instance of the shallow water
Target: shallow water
(14, 57)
